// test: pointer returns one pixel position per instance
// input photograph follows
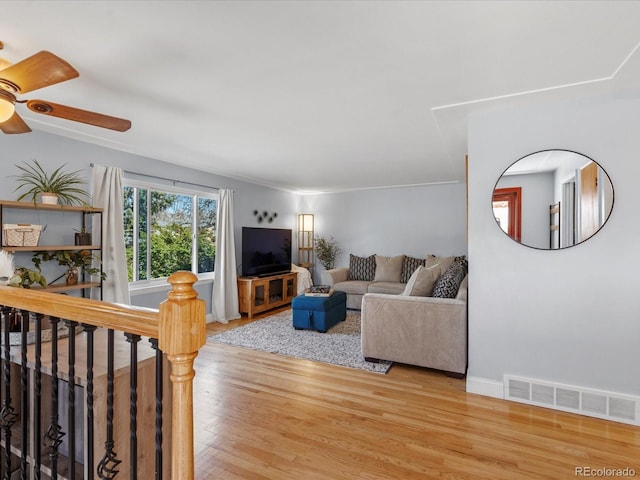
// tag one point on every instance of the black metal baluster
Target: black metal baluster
(89, 329)
(71, 421)
(133, 404)
(107, 468)
(159, 394)
(3, 310)
(37, 423)
(7, 414)
(54, 435)
(24, 392)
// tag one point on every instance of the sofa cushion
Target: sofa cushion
(388, 269)
(362, 268)
(391, 288)
(449, 282)
(444, 262)
(431, 260)
(422, 281)
(409, 265)
(352, 287)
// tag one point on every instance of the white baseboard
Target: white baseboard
(486, 387)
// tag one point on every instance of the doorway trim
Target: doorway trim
(513, 197)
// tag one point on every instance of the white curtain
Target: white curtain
(224, 304)
(108, 195)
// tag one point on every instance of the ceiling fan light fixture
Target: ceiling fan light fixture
(7, 106)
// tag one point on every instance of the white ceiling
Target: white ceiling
(317, 95)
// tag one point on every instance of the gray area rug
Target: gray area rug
(275, 334)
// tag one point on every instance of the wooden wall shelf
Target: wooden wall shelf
(50, 248)
(83, 211)
(42, 206)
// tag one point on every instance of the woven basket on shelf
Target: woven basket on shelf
(21, 234)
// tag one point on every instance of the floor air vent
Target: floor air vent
(594, 403)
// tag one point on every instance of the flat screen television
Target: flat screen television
(265, 251)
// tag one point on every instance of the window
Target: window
(168, 229)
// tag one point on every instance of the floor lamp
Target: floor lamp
(305, 240)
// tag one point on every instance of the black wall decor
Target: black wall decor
(264, 216)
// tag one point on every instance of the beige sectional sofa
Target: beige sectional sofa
(402, 322)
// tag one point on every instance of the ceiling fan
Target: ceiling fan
(42, 70)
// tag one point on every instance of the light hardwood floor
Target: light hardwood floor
(265, 416)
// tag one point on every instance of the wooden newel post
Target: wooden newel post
(182, 332)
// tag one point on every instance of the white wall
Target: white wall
(568, 316)
(415, 221)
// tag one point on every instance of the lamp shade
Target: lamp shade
(305, 240)
(305, 222)
(7, 106)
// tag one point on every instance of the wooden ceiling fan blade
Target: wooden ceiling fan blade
(38, 71)
(78, 115)
(4, 63)
(15, 125)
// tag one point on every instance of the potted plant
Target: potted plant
(326, 251)
(24, 277)
(65, 186)
(74, 260)
(82, 237)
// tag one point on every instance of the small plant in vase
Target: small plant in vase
(24, 277)
(65, 186)
(74, 260)
(82, 237)
(21, 277)
(326, 251)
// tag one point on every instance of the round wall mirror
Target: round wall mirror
(552, 199)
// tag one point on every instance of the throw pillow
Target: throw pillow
(409, 265)
(421, 282)
(444, 262)
(464, 262)
(431, 260)
(388, 269)
(449, 282)
(362, 268)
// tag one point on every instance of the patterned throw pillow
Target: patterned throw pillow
(362, 268)
(464, 262)
(449, 282)
(409, 265)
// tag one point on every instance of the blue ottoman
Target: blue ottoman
(319, 313)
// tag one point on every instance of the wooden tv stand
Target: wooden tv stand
(258, 294)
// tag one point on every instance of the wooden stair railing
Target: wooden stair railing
(182, 333)
(178, 325)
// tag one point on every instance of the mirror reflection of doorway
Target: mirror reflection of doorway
(568, 219)
(554, 225)
(507, 210)
(589, 214)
